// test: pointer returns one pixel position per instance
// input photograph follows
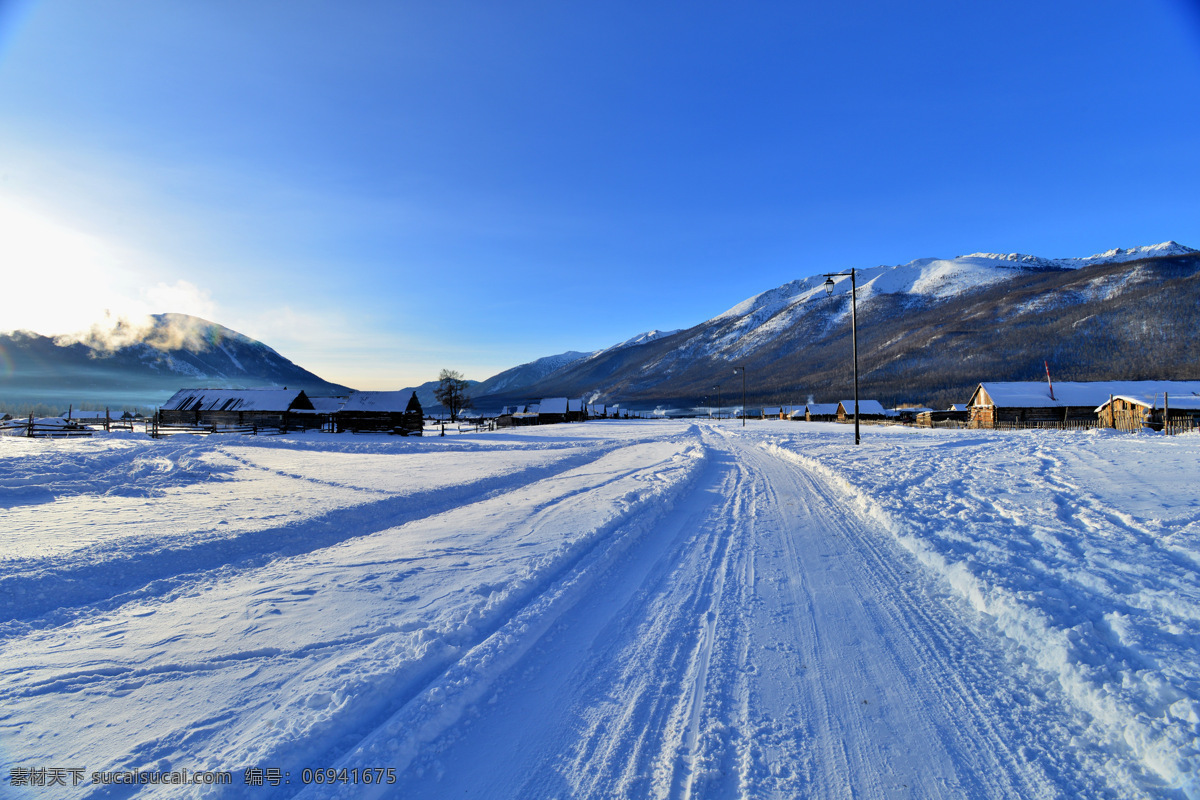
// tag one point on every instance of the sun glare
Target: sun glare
(64, 281)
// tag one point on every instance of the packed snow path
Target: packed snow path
(643, 610)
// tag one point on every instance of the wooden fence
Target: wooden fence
(157, 430)
(34, 431)
(1060, 425)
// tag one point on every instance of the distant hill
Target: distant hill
(143, 366)
(929, 331)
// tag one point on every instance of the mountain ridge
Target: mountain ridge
(766, 330)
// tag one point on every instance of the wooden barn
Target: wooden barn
(268, 408)
(1065, 403)
(384, 412)
(575, 411)
(867, 409)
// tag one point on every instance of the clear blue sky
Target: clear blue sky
(382, 189)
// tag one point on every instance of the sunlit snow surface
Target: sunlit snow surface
(650, 609)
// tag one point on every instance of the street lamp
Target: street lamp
(743, 371)
(853, 333)
(718, 388)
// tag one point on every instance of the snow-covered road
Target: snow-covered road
(653, 609)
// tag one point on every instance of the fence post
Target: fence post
(1166, 414)
(29, 430)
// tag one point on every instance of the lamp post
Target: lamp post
(853, 333)
(718, 388)
(743, 371)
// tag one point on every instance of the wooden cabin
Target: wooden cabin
(576, 411)
(950, 418)
(1034, 403)
(1135, 413)
(518, 416)
(867, 409)
(382, 412)
(268, 408)
(552, 410)
(821, 412)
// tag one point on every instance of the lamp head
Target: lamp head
(829, 286)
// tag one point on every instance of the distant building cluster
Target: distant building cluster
(553, 410)
(1014, 405)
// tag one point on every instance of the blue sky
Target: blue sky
(382, 189)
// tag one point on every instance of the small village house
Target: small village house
(867, 410)
(948, 418)
(821, 412)
(1134, 413)
(552, 410)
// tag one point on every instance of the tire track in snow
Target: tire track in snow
(1008, 737)
(758, 642)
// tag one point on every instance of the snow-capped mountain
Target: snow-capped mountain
(137, 364)
(928, 330)
(525, 374)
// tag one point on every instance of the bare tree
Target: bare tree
(451, 392)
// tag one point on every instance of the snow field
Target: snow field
(272, 659)
(644, 609)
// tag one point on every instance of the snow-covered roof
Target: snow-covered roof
(822, 409)
(1036, 394)
(518, 410)
(772, 411)
(575, 405)
(864, 407)
(327, 405)
(379, 402)
(237, 400)
(553, 405)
